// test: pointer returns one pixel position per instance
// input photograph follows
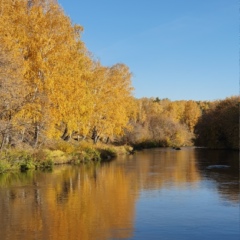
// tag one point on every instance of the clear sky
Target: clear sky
(176, 49)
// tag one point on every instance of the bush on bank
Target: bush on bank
(59, 152)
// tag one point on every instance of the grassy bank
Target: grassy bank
(56, 153)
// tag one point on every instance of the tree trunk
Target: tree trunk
(107, 141)
(36, 135)
(65, 135)
(3, 141)
(7, 139)
(96, 139)
(22, 135)
(95, 135)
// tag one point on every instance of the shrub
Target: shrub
(27, 164)
(63, 146)
(108, 153)
(47, 164)
(4, 166)
(77, 157)
(91, 154)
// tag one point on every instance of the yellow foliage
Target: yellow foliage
(62, 84)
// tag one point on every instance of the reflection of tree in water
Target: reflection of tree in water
(73, 203)
(157, 168)
(227, 179)
(92, 202)
(230, 191)
(227, 183)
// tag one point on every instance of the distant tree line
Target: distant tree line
(161, 122)
(218, 127)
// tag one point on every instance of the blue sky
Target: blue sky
(176, 49)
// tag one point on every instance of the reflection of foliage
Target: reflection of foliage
(71, 202)
(92, 199)
(227, 180)
(13, 179)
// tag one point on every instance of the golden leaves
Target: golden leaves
(63, 83)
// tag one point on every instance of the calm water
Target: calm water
(154, 194)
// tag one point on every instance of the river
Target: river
(154, 194)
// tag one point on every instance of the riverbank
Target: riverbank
(57, 153)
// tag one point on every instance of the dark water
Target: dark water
(154, 194)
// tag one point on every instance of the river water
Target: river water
(154, 194)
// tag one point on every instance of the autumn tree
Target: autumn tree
(218, 127)
(191, 114)
(159, 123)
(112, 103)
(175, 110)
(12, 95)
(39, 33)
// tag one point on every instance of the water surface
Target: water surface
(154, 194)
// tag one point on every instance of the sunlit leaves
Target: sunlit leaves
(162, 123)
(63, 86)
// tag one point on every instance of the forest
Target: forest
(53, 89)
